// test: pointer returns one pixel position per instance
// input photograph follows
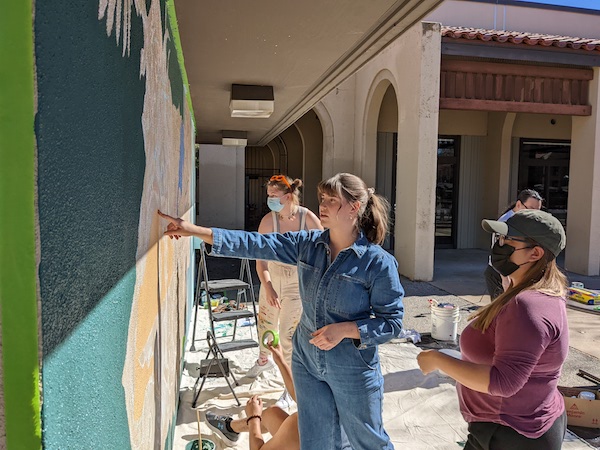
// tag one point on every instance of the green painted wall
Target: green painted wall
(90, 178)
(92, 170)
(18, 298)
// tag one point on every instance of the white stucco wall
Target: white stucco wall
(221, 185)
(411, 65)
(583, 227)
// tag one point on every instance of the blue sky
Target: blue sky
(589, 4)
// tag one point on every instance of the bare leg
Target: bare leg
(272, 419)
(240, 426)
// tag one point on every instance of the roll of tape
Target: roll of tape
(270, 336)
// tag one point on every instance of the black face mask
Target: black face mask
(501, 259)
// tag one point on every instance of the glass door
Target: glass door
(446, 191)
(544, 166)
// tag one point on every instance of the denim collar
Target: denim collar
(359, 246)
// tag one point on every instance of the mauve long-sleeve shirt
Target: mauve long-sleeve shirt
(526, 346)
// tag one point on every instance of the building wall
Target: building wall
(355, 107)
(221, 186)
(457, 123)
(114, 144)
(516, 18)
(540, 126)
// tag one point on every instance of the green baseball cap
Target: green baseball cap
(539, 226)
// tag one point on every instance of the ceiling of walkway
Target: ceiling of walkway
(301, 48)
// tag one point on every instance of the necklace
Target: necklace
(289, 216)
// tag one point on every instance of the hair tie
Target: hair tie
(371, 191)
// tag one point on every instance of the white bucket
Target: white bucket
(444, 323)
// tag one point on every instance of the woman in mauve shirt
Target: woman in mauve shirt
(514, 349)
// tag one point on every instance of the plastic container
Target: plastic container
(587, 395)
(444, 321)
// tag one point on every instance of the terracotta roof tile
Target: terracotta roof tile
(517, 37)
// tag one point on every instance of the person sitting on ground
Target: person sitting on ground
(514, 349)
(527, 199)
(282, 426)
(280, 305)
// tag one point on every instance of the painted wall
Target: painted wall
(19, 367)
(114, 144)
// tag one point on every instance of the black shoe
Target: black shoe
(219, 424)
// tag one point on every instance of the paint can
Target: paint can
(444, 321)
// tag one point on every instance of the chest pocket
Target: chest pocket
(308, 278)
(351, 298)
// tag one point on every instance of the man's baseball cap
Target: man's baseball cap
(539, 226)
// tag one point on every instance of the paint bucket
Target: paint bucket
(207, 444)
(444, 321)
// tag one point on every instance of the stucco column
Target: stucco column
(221, 186)
(417, 70)
(583, 227)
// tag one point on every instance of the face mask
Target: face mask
(274, 204)
(501, 259)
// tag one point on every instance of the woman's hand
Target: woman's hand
(178, 227)
(331, 335)
(272, 296)
(254, 406)
(427, 360)
(277, 352)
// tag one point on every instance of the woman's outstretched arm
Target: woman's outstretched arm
(178, 227)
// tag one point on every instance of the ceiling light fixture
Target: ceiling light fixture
(232, 138)
(251, 101)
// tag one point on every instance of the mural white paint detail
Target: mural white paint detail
(156, 327)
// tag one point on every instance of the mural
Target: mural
(157, 322)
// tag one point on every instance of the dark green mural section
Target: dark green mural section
(90, 179)
(175, 73)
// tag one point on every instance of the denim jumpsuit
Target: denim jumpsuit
(342, 386)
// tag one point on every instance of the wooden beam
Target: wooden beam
(520, 107)
(456, 65)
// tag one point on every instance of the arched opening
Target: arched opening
(379, 162)
(311, 133)
(387, 156)
(298, 153)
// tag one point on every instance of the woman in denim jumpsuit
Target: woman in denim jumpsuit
(352, 300)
